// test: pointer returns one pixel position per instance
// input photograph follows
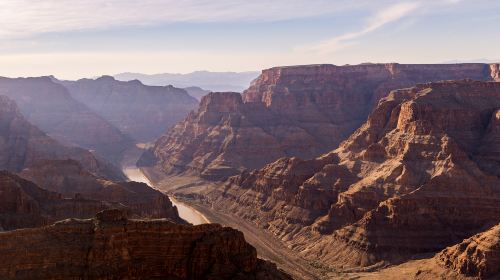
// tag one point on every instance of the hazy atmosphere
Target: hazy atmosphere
(249, 140)
(74, 39)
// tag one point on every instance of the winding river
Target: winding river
(187, 213)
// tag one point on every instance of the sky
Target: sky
(85, 38)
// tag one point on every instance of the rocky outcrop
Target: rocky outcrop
(111, 246)
(478, 256)
(413, 179)
(300, 111)
(142, 112)
(23, 204)
(50, 107)
(495, 71)
(22, 145)
(68, 178)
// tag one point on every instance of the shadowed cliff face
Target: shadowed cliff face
(421, 174)
(301, 111)
(23, 204)
(50, 107)
(140, 111)
(22, 145)
(478, 256)
(111, 246)
(68, 178)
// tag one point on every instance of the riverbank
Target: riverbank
(186, 212)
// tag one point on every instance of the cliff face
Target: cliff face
(68, 178)
(23, 145)
(140, 111)
(50, 107)
(113, 247)
(300, 111)
(421, 174)
(478, 256)
(24, 205)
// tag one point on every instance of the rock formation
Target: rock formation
(50, 107)
(111, 246)
(140, 111)
(420, 175)
(23, 205)
(478, 256)
(301, 111)
(68, 178)
(23, 145)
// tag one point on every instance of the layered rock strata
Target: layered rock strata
(478, 256)
(420, 175)
(301, 111)
(142, 112)
(50, 107)
(22, 145)
(23, 204)
(68, 178)
(111, 246)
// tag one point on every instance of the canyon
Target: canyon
(50, 107)
(68, 178)
(301, 111)
(414, 179)
(371, 171)
(24, 145)
(141, 112)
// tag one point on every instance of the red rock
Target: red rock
(50, 107)
(23, 204)
(68, 178)
(141, 112)
(415, 178)
(301, 111)
(24, 145)
(114, 247)
(478, 256)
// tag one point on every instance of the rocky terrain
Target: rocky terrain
(301, 111)
(420, 175)
(477, 256)
(50, 107)
(23, 145)
(474, 258)
(23, 205)
(141, 112)
(68, 178)
(111, 246)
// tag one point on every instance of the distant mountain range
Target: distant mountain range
(212, 81)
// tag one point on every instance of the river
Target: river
(187, 213)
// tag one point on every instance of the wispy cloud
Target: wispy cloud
(381, 18)
(384, 16)
(20, 18)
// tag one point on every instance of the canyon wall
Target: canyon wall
(111, 246)
(23, 145)
(24, 205)
(68, 178)
(139, 111)
(50, 107)
(301, 111)
(420, 175)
